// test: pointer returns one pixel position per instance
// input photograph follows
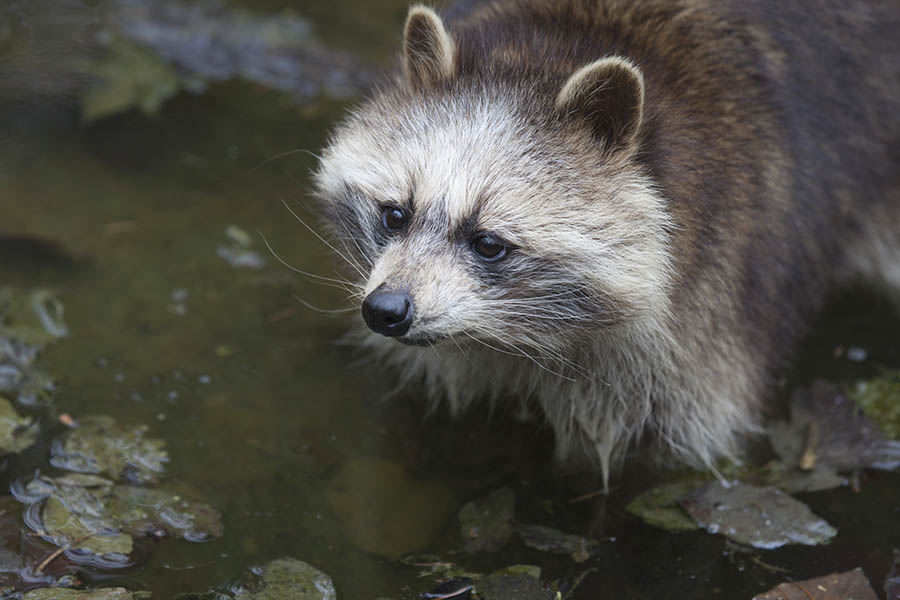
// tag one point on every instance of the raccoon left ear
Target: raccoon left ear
(608, 94)
(428, 50)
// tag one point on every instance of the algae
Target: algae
(879, 399)
(659, 507)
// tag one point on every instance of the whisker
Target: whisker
(327, 311)
(324, 241)
(284, 154)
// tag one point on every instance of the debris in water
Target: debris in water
(826, 436)
(239, 252)
(762, 517)
(99, 520)
(851, 585)
(287, 578)
(879, 398)
(659, 507)
(459, 588)
(29, 321)
(892, 581)
(383, 523)
(58, 593)
(547, 539)
(487, 523)
(16, 433)
(100, 445)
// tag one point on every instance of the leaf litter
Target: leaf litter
(100, 445)
(850, 585)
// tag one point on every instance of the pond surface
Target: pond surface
(266, 414)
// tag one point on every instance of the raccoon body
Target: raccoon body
(624, 212)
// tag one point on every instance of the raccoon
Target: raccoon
(623, 212)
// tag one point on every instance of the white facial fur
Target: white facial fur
(478, 159)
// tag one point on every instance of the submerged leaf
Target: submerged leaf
(100, 445)
(402, 517)
(487, 523)
(57, 593)
(90, 513)
(659, 507)
(547, 539)
(851, 585)
(761, 517)
(16, 433)
(289, 578)
(827, 435)
(521, 587)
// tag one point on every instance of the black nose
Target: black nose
(388, 312)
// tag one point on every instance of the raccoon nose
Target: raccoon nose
(388, 312)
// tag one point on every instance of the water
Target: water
(264, 413)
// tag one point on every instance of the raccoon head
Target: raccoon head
(503, 209)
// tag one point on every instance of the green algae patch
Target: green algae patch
(57, 593)
(879, 399)
(289, 578)
(16, 432)
(100, 445)
(659, 507)
(402, 516)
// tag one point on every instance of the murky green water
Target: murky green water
(264, 414)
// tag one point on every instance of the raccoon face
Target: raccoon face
(474, 212)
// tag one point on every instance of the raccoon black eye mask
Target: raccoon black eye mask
(625, 212)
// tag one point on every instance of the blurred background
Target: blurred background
(154, 171)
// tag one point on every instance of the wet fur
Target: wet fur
(659, 282)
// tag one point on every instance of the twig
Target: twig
(55, 554)
(802, 589)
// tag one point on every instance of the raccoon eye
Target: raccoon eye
(393, 218)
(489, 248)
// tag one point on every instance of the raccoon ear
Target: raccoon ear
(428, 50)
(608, 94)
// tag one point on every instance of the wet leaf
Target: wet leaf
(547, 539)
(459, 588)
(289, 578)
(57, 593)
(659, 507)
(16, 433)
(851, 585)
(762, 517)
(530, 570)
(91, 513)
(827, 435)
(892, 581)
(100, 445)
(129, 77)
(880, 400)
(28, 322)
(486, 523)
(33, 318)
(520, 587)
(67, 530)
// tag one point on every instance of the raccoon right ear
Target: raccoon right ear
(608, 95)
(429, 53)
